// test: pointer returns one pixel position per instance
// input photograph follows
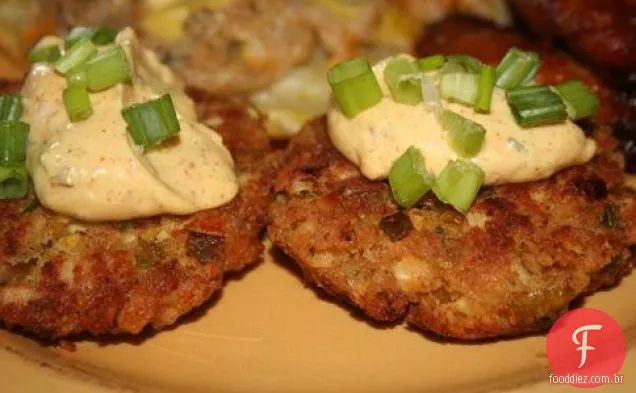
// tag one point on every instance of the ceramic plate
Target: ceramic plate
(267, 332)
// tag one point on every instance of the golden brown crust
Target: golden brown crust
(511, 266)
(60, 277)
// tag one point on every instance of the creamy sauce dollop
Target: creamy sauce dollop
(92, 170)
(375, 138)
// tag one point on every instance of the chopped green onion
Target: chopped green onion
(13, 142)
(487, 78)
(98, 35)
(104, 36)
(468, 63)
(44, 54)
(529, 80)
(534, 106)
(409, 179)
(516, 68)
(404, 90)
(31, 206)
(14, 182)
(451, 68)
(152, 122)
(10, 107)
(77, 34)
(580, 100)
(77, 55)
(107, 69)
(431, 63)
(458, 184)
(77, 77)
(466, 136)
(430, 93)
(77, 103)
(460, 87)
(354, 85)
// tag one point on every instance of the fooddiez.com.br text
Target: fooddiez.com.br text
(574, 378)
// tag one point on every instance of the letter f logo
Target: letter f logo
(583, 344)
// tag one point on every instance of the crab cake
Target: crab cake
(60, 276)
(511, 265)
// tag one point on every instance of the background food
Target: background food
(245, 46)
(22, 23)
(600, 31)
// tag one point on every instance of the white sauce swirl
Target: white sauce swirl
(375, 138)
(91, 170)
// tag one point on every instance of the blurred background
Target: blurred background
(274, 53)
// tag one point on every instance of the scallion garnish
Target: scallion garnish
(77, 55)
(77, 103)
(431, 63)
(409, 179)
(458, 184)
(10, 107)
(404, 90)
(152, 122)
(354, 86)
(98, 35)
(529, 79)
(487, 77)
(77, 77)
(430, 93)
(31, 206)
(580, 100)
(468, 63)
(104, 36)
(466, 136)
(535, 106)
(107, 69)
(451, 68)
(13, 142)
(14, 182)
(460, 87)
(77, 34)
(516, 68)
(44, 53)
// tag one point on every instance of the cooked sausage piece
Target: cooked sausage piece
(602, 31)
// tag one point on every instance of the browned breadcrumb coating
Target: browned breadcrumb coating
(511, 265)
(61, 277)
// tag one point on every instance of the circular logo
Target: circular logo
(586, 348)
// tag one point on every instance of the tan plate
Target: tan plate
(268, 333)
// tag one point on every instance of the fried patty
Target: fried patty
(512, 265)
(60, 276)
